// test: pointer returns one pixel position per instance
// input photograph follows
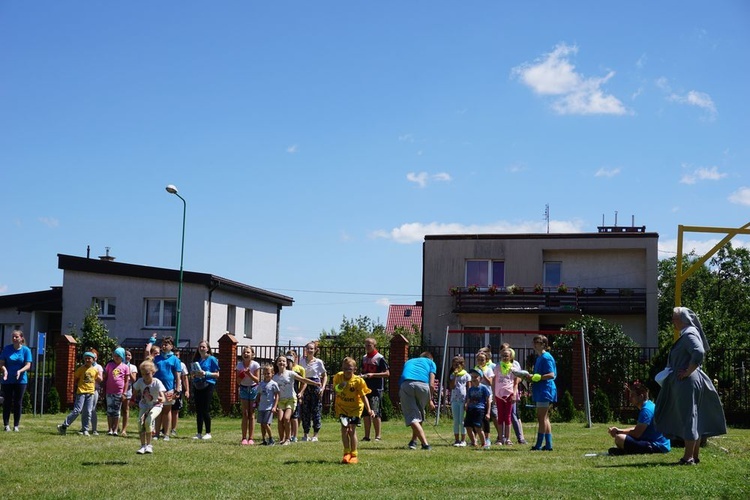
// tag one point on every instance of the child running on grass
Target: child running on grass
(351, 398)
(267, 402)
(150, 391)
(287, 396)
(478, 400)
(248, 378)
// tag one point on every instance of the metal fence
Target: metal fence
(610, 370)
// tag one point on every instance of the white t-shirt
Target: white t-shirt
(149, 393)
(247, 381)
(314, 369)
(285, 381)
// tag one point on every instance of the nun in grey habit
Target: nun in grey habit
(688, 406)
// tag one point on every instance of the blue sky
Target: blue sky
(316, 143)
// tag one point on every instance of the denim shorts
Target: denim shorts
(248, 393)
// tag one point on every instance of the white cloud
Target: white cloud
(741, 196)
(49, 221)
(406, 138)
(702, 174)
(3, 288)
(294, 148)
(385, 302)
(415, 232)
(516, 168)
(690, 98)
(607, 172)
(555, 75)
(422, 178)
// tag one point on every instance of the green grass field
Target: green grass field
(39, 463)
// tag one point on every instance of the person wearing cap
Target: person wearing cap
(85, 378)
(116, 379)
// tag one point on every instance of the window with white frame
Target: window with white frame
(231, 318)
(485, 272)
(552, 273)
(248, 323)
(160, 313)
(106, 306)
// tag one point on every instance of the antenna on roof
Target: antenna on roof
(546, 215)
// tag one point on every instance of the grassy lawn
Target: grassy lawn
(38, 463)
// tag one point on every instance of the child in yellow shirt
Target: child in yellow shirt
(85, 379)
(351, 391)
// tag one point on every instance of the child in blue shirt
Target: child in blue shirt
(643, 438)
(477, 404)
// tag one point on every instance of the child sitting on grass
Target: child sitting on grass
(150, 391)
(351, 398)
(267, 403)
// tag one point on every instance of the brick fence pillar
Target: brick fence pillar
(227, 382)
(577, 384)
(399, 354)
(65, 367)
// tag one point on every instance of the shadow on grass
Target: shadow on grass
(105, 462)
(318, 461)
(639, 465)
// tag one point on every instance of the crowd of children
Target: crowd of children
(487, 392)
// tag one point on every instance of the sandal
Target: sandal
(689, 461)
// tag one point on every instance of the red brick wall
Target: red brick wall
(227, 383)
(65, 367)
(398, 356)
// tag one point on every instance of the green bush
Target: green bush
(386, 407)
(26, 403)
(526, 409)
(566, 409)
(215, 409)
(600, 409)
(53, 401)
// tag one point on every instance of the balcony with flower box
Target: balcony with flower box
(515, 299)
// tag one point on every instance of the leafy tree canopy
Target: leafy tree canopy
(94, 334)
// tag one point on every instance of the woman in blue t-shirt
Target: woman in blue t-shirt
(15, 361)
(643, 438)
(544, 391)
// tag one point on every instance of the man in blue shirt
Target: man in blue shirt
(416, 386)
(643, 438)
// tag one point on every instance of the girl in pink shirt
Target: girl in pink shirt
(504, 388)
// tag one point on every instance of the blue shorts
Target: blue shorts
(474, 418)
(249, 393)
(633, 446)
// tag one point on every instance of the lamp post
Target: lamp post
(172, 189)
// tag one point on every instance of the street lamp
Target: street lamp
(172, 189)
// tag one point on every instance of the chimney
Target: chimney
(107, 257)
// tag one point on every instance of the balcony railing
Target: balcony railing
(549, 300)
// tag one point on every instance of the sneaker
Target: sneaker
(377, 438)
(412, 445)
(15, 429)
(173, 433)
(84, 433)
(271, 442)
(522, 441)
(149, 448)
(536, 448)
(354, 460)
(365, 439)
(462, 444)
(7, 428)
(615, 451)
(250, 442)
(486, 447)
(314, 439)
(94, 433)
(141, 450)
(457, 444)
(198, 436)
(60, 429)
(244, 442)
(689, 461)
(165, 438)
(547, 448)
(114, 433)
(305, 438)
(205, 436)
(499, 442)
(347, 458)
(293, 439)
(109, 433)
(487, 442)
(426, 447)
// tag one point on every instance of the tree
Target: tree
(719, 292)
(94, 334)
(353, 332)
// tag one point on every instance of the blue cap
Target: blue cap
(120, 352)
(89, 354)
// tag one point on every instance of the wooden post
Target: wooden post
(227, 383)
(399, 354)
(65, 367)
